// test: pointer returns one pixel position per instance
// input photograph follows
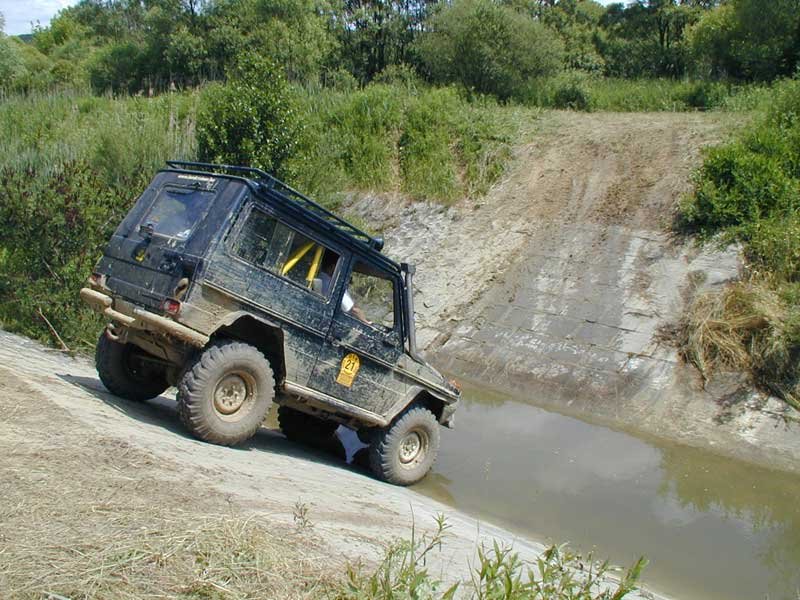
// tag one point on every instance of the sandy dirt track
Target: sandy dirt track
(49, 398)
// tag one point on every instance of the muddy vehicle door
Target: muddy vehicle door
(272, 267)
(365, 342)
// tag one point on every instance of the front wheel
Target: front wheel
(127, 371)
(224, 396)
(404, 452)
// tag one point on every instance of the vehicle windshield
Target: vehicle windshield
(177, 210)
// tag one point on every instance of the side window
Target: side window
(271, 245)
(255, 240)
(371, 295)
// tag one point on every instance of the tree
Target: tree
(251, 120)
(378, 33)
(646, 38)
(488, 48)
(749, 39)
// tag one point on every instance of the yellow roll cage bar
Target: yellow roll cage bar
(298, 255)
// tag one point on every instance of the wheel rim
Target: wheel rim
(232, 392)
(413, 448)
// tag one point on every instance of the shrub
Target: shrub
(774, 246)
(402, 75)
(70, 168)
(53, 229)
(251, 120)
(736, 186)
(558, 574)
(571, 92)
(118, 68)
(706, 94)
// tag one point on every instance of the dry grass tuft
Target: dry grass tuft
(746, 327)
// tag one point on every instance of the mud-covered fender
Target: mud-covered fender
(442, 406)
(233, 316)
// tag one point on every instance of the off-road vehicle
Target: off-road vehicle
(240, 291)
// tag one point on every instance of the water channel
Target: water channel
(712, 528)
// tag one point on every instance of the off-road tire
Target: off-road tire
(389, 454)
(298, 426)
(118, 370)
(227, 376)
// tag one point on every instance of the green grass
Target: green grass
(581, 91)
(426, 143)
(500, 574)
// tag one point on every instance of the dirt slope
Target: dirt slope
(559, 285)
(67, 443)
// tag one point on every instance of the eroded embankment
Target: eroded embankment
(560, 284)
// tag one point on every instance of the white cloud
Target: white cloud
(19, 14)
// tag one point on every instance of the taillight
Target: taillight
(171, 307)
(97, 280)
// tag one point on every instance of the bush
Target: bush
(572, 93)
(488, 48)
(251, 120)
(774, 246)
(558, 574)
(706, 94)
(118, 68)
(737, 186)
(53, 229)
(70, 168)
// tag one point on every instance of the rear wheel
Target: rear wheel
(128, 371)
(224, 396)
(404, 452)
(304, 428)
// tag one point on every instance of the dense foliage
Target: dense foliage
(501, 47)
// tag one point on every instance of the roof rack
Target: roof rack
(289, 195)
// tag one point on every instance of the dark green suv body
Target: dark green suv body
(240, 291)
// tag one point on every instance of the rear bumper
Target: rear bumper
(142, 319)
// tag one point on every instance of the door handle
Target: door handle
(335, 342)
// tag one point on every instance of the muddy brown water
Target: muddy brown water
(712, 528)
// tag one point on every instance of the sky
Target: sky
(19, 14)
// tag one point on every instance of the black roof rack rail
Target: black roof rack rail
(286, 193)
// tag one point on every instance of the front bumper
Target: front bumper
(142, 319)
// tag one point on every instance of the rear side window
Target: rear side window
(176, 211)
(269, 244)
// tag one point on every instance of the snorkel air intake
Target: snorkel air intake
(408, 272)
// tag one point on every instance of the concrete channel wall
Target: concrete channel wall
(562, 285)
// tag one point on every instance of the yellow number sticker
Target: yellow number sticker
(350, 366)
